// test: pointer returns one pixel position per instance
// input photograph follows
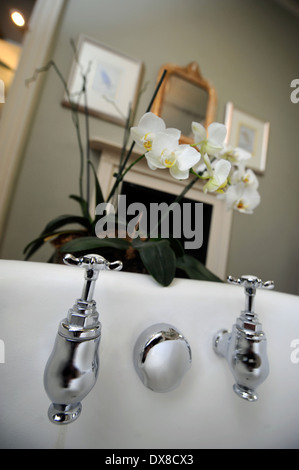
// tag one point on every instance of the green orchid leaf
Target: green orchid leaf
(93, 243)
(177, 247)
(158, 258)
(139, 242)
(99, 194)
(83, 205)
(65, 220)
(50, 231)
(195, 269)
(35, 244)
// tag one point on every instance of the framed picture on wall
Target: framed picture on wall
(112, 80)
(248, 133)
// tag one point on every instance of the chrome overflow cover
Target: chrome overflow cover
(162, 356)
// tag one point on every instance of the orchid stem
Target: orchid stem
(198, 175)
(120, 174)
(121, 177)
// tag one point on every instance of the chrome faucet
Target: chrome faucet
(72, 368)
(245, 347)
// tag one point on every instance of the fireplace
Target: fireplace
(147, 186)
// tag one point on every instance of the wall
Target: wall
(247, 49)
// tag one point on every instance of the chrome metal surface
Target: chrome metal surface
(250, 283)
(92, 264)
(162, 356)
(72, 369)
(64, 414)
(245, 348)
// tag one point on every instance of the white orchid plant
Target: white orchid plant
(221, 170)
(209, 159)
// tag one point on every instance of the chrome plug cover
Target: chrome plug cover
(162, 356)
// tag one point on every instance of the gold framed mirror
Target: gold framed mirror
(185, 96)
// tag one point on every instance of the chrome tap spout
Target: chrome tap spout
(245, 348)
(72, 369)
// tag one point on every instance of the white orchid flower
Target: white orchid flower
(234, 155)
(246, 176)
(242, 198)
(217, 173)
(210, 141)
(167, 153)
(148, 127)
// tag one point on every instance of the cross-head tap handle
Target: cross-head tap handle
(250, 283)
(93, 264)
(92, 261)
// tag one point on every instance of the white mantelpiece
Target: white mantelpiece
(162, 181)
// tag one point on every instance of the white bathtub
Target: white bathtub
(120, 412)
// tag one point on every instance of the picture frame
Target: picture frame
(248, 133)
(113, 80)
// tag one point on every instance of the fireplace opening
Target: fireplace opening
(147, 196)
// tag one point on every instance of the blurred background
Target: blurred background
(247, 49)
